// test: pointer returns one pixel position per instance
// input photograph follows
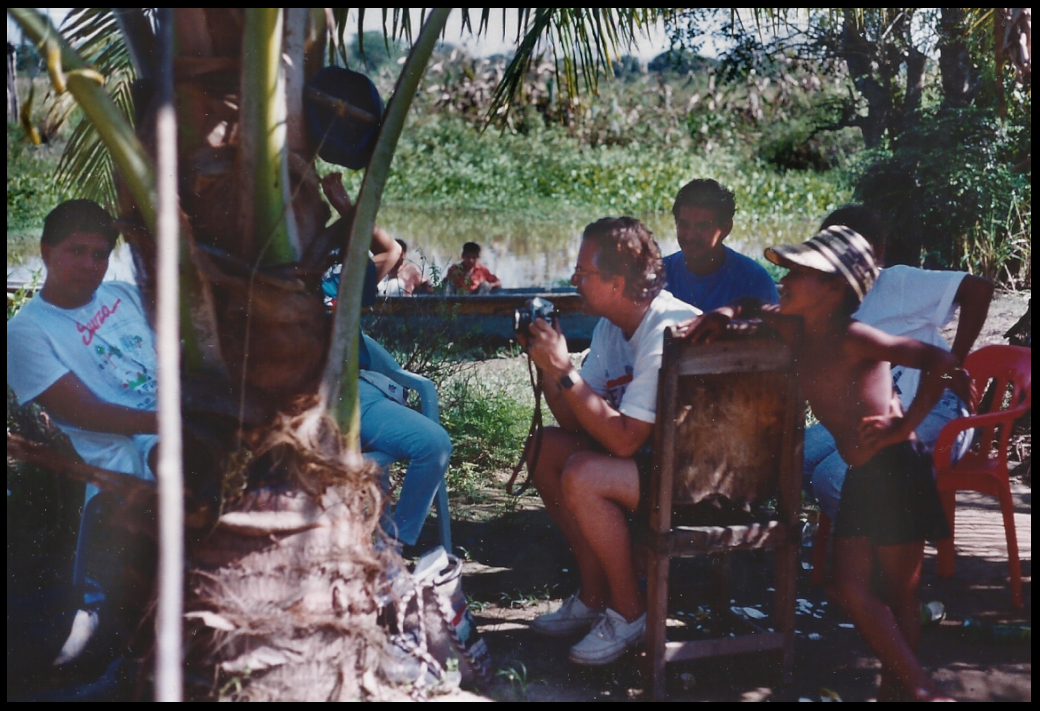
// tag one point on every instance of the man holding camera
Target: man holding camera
(594, 468)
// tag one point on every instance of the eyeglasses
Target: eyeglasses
(580, 274)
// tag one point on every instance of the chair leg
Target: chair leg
(819, 558)
(656, 619)
(944, 548)
(444, 517)
(1007, 508)
(787, 555)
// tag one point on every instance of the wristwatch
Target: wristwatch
(569, 379)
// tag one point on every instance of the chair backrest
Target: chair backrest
(730, 418)
(1002, 375)
(1009, 368)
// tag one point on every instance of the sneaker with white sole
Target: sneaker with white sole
(84, 625)
(573, 616)
(609, 639)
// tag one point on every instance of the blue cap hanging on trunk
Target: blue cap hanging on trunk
(344, 112)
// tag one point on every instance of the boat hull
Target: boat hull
(485, 320)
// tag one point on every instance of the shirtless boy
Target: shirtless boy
(889, 504)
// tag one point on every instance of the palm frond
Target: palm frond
(584, 41)
(94, 33)
(86, 168)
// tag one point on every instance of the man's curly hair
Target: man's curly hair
(627, 248)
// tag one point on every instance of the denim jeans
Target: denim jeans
(391, 433)
(824, 470)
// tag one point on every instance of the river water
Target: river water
(536, 251)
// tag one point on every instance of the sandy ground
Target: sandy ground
(518, 566)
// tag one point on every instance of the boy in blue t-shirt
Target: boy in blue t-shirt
(706, 273)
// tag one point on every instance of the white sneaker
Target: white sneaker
(84, 625)
(609, 639)
(573, 616)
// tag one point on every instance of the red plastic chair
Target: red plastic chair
(984, 468)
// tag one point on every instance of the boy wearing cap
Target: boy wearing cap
(889, 503)
(904, 301)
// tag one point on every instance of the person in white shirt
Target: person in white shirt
(594, 468)
(83, 349)
(904, 301)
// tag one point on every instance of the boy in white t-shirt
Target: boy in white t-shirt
(84, 351)
(911, 302)
(594, 467)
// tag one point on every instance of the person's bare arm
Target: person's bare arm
(706, 327)
(385, 249)
(937, 369)
(974, 296)
(580, 408)
(70, 400)
(557, 351)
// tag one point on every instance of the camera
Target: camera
(536, 308)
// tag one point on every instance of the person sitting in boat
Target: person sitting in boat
(594, 468)
(405, 278)
(705, 272)
(387, 425)
(470, 276)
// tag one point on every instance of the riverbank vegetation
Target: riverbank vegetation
(777, 123)
(771, 122)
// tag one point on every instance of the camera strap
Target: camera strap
(534, 436)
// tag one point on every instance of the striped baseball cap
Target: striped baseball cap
(835, 250)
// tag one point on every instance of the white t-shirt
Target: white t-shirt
(108, 345)
(624, 371)
(912, 302)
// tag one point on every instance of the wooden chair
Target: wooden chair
(984, 468)
(383, 362)
(730, 423)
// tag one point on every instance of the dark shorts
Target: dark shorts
(892, 498)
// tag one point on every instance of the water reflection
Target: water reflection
(536, 250)
(522, 250)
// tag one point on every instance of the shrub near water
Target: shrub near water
(31, 192)
(444, 160)
(949, 186)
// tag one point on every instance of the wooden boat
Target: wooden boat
(486, 319)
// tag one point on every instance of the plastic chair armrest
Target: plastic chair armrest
(383, 362)
(948, 435)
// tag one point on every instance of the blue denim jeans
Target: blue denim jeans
(823, 473)
(392, 433)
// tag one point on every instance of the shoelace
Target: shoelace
(605, 628)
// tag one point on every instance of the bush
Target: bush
(800, 145)
(948, 189)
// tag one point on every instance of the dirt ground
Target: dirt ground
(518, 566)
